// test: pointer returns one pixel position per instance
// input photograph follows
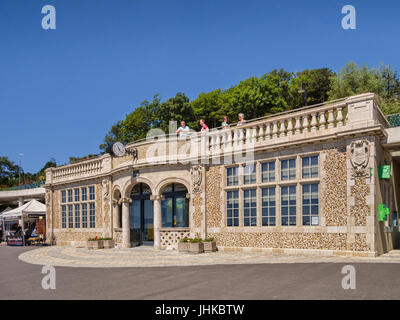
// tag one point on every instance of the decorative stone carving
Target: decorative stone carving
(157, 197)
(359, 157)
(197, 177)
(106, 190)
(125, 200)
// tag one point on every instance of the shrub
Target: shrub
(185, 239)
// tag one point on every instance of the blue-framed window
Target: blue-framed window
(268, 171)
(232, 176)
(77, 216)
(63, 196)
(84, 215)
(70, 199)
(310, 203)
(70, 216)
(268, 206)
(91, 193)
(63, 216)
(309, 167)
(76, 194)
(92, 215)
(288, 169)
(288, 205)
(232, 208)
(250, 207)
(84, 193)
(249, 173)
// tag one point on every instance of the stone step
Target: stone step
(392, 253)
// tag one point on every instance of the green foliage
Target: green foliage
(9, 173)
(273, 92)
(353, 79)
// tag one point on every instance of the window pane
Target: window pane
(232, 176)
(310, 204)
(288, 205)
(84, 215)
(268, 206)
(232, 212)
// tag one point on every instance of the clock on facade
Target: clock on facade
(118, 149)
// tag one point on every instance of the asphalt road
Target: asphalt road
(19, 280)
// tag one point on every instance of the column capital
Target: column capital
(125, 200)
(157, 197)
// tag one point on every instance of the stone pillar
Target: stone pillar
(20, 201)
(126, 236)
(157, 220)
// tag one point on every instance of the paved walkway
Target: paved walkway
(148, 257)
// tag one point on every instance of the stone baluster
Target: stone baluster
(322, 120)
(261, 133)
(229, 138)
(282, 129)
(236, 136)
(275, 130)
(217, 141)
(331, 119)
(290, 127)
(297, 126)
(313, 122)
(267, 131)
(254, 134)
(305, 123)
(339, 117)
(248, 135)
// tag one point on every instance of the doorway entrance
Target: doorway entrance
(141, 216)
(175, 206)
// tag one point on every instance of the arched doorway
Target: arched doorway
(141, 215)
(175, 206)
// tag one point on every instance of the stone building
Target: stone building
(303, 181)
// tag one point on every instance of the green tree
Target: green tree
(353, 80)
(8, 172)
(177, 108)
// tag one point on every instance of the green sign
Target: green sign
(384, 171)
(383, 212)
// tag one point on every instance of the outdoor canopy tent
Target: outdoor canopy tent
(30, 209)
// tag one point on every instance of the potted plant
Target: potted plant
(95, 243)
(210, 245)
(183, 245)
(108, 243)
(196, 245)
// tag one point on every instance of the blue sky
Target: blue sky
(61, 90)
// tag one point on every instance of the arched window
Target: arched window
(175, 206)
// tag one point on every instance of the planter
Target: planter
(99, 244)
(197, 247)
(183, 246)
(89, 244)
(210, 246)
(108, 244)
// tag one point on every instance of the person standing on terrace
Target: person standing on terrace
(183, 130)
(203, 125)
(241, 119)
(225, 123)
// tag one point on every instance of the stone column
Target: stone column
(126, 236)
(157, 220)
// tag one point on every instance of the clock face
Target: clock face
(118, 149)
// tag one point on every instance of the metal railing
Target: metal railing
(25, 186)
(394, 120)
